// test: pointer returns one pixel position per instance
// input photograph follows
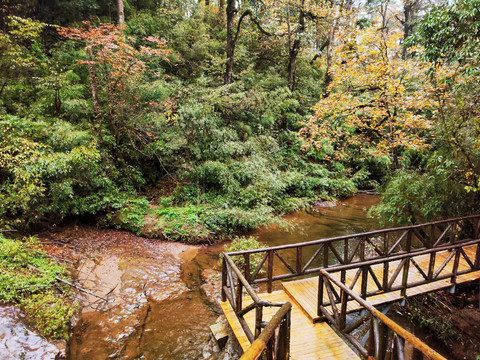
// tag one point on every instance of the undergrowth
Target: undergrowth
(29, 279)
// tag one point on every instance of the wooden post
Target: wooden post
(456, 261)
(258, 320)
(320, 294)
(299, 260)
(271, 348)
(224, 279)
(406, 266)
(270, 271)
(239, 295)
(247, 267)
(343, 308)
(284, 338)
(386, 267)
(364, 271)
(431, 266)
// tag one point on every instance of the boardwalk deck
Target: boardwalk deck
(307, 340)
(304, 292)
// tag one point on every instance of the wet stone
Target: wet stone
(18, 342)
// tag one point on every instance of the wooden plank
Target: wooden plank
(308, 341)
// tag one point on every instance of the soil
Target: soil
(450, 321)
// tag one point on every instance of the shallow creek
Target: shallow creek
(161, 297)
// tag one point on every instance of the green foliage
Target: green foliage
(57, 172)
(234, 151)
(416, 196)
(50, 314)
(28, 279)
(450, 31)
(132, 215)
(241, 243)
(434, 320)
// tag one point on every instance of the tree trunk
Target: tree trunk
(409, 16)
(292, 63)
(295, 48)
(230, 42)
(121, 14)
(93, 81)
(328, 78)
(221, 6)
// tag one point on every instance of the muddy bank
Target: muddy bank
(449, 323)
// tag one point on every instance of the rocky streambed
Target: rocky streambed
(148, 299)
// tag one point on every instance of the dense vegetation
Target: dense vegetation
(29, 279)
(189, 120)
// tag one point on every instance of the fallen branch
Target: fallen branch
(70, 284)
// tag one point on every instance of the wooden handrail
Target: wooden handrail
(390, 244)
(404, 255)
(262, 339)
(260, 344)
(352, 236)
(416, 342)
(242, 279)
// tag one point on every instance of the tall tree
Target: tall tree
(232, 36)
(121, 13)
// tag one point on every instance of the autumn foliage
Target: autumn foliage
(376, 101)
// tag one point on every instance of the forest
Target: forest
(189, 121)
(197, 121)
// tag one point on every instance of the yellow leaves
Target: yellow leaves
(376, 100)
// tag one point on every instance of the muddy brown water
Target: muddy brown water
(162, 296)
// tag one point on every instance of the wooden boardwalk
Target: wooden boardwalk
(308, 341)
(380, 266)
(305, 292)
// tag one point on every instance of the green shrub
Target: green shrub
(242, 243)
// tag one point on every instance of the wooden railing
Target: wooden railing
(351, 251)
(385, 339)
(275, 345)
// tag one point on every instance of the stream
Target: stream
(162, 296)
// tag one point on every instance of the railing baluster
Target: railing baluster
(258, 320)
(239, 295)
(406, 266)
(224, 279)
(247, 269)
(299, 260)
(270, 271)
(456, 262)
(320, 301)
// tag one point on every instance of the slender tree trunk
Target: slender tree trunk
(292, 63)
(409, 15)
(328, 78)
(295, 48)
(221, 6)
(230, 42)
(93, 81)
(121, 14)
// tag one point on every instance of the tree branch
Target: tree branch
(255, 21)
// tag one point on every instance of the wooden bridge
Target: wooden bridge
(316, 300)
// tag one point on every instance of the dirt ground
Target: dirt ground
(449, 320)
